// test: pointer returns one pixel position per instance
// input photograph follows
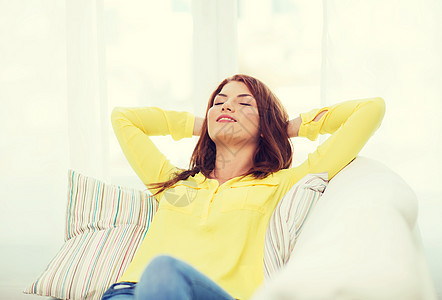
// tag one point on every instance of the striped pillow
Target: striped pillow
(287, 221)
(105, 225)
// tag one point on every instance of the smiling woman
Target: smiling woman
(257, 144)
(244, 149)
(233, 127)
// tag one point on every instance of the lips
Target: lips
(225, 118)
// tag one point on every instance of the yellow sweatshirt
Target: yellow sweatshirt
(220, 229)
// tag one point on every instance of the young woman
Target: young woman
(207, 238)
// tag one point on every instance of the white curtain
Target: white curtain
(88, 119)
(34, 144)
(65, 64)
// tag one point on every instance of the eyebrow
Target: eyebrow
(240, 95)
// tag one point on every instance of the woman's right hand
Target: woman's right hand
(197, 126)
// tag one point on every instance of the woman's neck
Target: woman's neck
(230, 164)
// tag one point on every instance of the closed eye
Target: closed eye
(247, 104)
(218, 103)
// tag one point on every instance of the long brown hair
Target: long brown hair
(274, 151)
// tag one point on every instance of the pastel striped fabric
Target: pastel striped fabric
(288, 219)
(105, 224)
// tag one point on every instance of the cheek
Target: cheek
(252, 117)
(211, 115)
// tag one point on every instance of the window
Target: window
(172, 54)
(148, 47)
(279, 42)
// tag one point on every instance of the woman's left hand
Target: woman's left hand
(293, 127)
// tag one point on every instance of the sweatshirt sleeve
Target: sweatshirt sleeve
(351, 124)
(133, 126)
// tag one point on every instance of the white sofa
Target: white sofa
(360, 242)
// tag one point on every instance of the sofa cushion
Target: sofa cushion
(105, 224)
(287, 220)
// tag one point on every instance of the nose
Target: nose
(227, 105)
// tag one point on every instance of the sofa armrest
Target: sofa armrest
(360, 242)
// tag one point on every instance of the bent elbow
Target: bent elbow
(116, 112)
(379, 106)
(117, 117)
(377, 111)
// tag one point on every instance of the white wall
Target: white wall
(392, 49)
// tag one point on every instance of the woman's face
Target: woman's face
(233, 118)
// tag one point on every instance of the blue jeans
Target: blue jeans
(168, 278)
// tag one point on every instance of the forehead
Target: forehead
(235, 87)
